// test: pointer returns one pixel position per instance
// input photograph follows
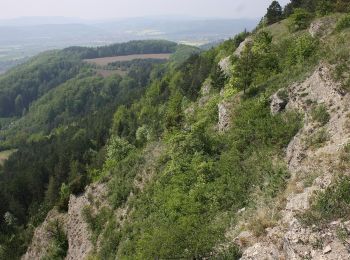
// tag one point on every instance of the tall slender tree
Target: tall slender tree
(274, 13)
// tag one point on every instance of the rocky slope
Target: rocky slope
(289, 238)
(313, 159)
(73, 223)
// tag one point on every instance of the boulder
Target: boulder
(277, 103)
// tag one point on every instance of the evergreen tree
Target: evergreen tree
(218, 77)
(245, 68)
(274, 13)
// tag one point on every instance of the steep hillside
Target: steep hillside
(58, 140)
(241, 151)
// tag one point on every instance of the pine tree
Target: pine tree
(274, 13)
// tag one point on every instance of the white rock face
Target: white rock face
(261, 251)
(42, 238)
(277, 104)
(322, 27)
(224, 116)
(73, 223)
(241, 47)
(78, 232)
(225, 65)
(289, 239)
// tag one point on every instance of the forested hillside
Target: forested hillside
(57, 112)
(240, 151)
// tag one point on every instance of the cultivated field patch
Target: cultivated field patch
(107, 60)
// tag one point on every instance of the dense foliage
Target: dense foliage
(133, 47)
(61, 138)
(274, 13)
(23, 85)
(152, 135)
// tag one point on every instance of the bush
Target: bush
(333, 203)
(317, 139)
(301, 49)
(299, 20)
(231, 253)
(320, 114)
(343, 23)
(64, 197)
(96, 221)
(59, 246)
(325, 7)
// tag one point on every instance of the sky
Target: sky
(108, 9)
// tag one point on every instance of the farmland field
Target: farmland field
(4, 155)
(105, 61)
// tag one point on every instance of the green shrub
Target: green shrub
(110, 240)
(343, 23)
(64, 197)
(320, 114)
(96, 221)
(325, 7)
(299, 20)
(301, 49)
(59, 245)
(333, 203)
(317, 139)
(231, 253)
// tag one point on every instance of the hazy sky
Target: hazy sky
(100, 9)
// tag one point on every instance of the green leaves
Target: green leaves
(274, 13)
(331, 204)
(299, 20)
(343, 23)
(301, 49)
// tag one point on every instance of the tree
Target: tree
(245, 68)
(218, 77)
(274, 13)
(324, 7)
(19, 104)
(299, 20)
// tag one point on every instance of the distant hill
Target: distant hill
(27, 36)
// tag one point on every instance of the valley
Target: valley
(152, 149)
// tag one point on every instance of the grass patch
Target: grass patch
(231, 253)
(317, 139)
(96, 221)
(59, 246)
(333, 203)
(309, 179)
(320, 114)
(343, 23)
(260, 222)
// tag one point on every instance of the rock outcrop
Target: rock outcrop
(277, 103)
(225, 63)
(289, 239)
(78, 232)
(225, 66)
(72, 222)
(241, 47)
(322, 27)
(224, 109)
(42, 238)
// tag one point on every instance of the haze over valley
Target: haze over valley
(22, 38)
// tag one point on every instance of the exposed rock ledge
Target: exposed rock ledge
(289, 239)
(72, 222)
